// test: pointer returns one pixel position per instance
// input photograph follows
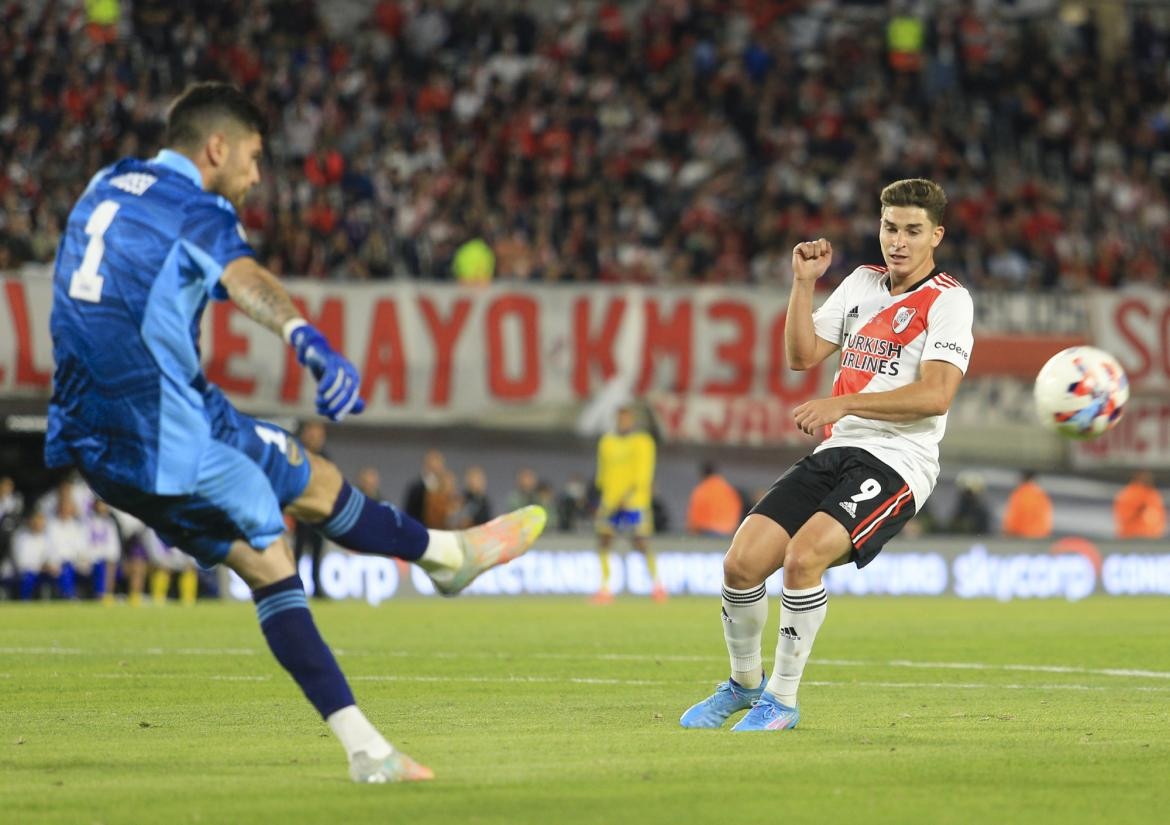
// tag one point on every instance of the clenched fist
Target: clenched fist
(811, 259)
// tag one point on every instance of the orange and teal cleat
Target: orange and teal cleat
(397, 767)
(498, 542)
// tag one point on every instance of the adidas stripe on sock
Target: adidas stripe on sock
(802, 612)
(745, 612)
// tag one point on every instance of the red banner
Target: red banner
(710, 360)
(507, 357)
(1135, 327)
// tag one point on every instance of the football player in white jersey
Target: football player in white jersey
(904, 335)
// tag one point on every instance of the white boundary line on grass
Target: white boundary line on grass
(581, 680)
(605, 657)
(40, 651)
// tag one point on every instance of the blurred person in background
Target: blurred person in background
(527, 490)
(433, 466)
(715, 506)
(166, 561)
(546, 495)
(625, 480)
(441, 503)
(35, 567)
(369, 481)
(475, 508)
(98, 568)
(474, 263)
(306, 539)
(573, 504)
(67, 538)
(72, 486)
(11, 500)
(11, 509)
(135, 555)
(1138, 509)
(972, 515)
(1028, 514)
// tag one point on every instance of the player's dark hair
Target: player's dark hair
(204, 106)
(917, 192)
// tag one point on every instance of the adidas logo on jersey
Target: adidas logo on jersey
(849, 507)
(789, 633)
(853, 313)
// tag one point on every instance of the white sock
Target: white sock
(802, 612)
(443, 554)
(356, 733)
(745, 612)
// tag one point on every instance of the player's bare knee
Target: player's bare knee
(742, 569)
(803, 564)
(259, 568)
(316, 502)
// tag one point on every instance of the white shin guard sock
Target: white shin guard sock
(744, 614)
(802, 612)
(356, 733)
(443, 555)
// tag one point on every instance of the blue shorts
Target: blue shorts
(637, 523)
(250, 472)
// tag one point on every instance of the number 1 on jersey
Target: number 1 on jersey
(86, 284)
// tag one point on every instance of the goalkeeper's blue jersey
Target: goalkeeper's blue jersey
(142, 253)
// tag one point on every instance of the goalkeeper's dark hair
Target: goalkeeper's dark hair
(203, 107)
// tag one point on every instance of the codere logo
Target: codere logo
(953, 346)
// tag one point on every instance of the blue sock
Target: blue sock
(358, 523)
(288, 626)
(67, 582)
(28, 585)
(99, 579)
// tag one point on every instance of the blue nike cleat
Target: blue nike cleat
(713, 711)
(768, 714)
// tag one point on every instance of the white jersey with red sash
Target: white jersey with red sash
(884, 339)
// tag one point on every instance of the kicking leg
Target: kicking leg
(756, 552)
(452, 559)
(818, 545)
(294, 640)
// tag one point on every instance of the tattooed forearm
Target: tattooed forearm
(256, 291)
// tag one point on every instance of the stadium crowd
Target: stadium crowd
(665, 141)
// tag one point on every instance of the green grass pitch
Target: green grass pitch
(556, 711)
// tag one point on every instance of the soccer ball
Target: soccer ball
(1081, 392)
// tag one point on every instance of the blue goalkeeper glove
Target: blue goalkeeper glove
(338, 381)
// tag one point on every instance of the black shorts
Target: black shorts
(867, 496)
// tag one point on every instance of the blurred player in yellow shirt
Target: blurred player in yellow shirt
(625, 478)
